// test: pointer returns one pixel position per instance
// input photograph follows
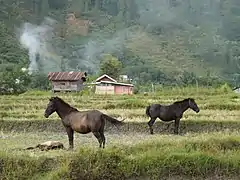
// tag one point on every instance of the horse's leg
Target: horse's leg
(177, 122)
(101, 132)
(98, 136)
(103, 138)
(70, 136)
(150, 124)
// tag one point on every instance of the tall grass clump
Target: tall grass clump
(225, 88)
(24, 167)
(156, 160)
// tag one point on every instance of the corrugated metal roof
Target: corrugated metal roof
(66, 76)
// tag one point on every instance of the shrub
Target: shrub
(225, 88)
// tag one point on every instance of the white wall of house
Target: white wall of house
(237, 90)
(104, 89)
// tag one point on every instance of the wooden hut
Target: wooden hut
(67, 81)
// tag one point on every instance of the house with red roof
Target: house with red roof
(107, 85)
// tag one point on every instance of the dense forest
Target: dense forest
(158, 41)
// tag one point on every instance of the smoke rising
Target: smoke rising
(35, 39)
(95, 48)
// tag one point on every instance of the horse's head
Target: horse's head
(51, 107)
(193, 105)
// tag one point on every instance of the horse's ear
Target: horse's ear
(191, 99)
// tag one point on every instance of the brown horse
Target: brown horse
(80, 121)
(170, 112)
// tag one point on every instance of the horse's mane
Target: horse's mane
(63, 102)
(184, 100)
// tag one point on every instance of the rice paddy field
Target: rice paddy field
(208, 146)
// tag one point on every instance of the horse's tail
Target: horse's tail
(147, 111)
(112, 120)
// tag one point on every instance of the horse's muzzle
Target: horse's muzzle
(46, 115)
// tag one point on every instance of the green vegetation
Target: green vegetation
(161, 42)
(207, 147)
(110, 66)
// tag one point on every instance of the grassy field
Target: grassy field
(208, 146)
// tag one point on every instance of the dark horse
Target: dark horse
(80, 121)
(170, 112)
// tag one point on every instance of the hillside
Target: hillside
(168, 54)
(151, 38)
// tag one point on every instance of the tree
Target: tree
(187, 78)
(39, 81)
(14, 80)
(111, 66)
(44, 8)
(10, 51)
